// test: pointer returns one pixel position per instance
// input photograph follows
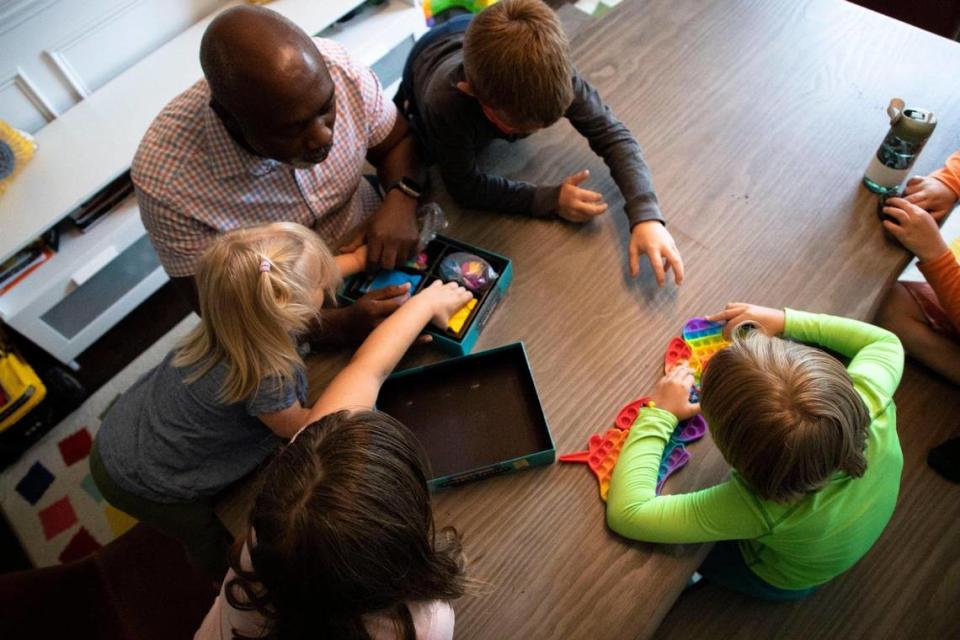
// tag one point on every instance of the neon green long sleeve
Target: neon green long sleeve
(791, 546)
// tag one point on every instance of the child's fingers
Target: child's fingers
(586, 195)
(894, 229)
(675, 262)
(634, 254)
(590, 209)
(914, 184)
(733, 309)
(656, 261)
(577, 178)
(694, 408)
(899, 214)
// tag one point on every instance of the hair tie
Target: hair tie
(265, 265)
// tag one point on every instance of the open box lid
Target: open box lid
(472, 413)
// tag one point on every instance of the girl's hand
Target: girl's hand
(444, 300)
(915, 229)
(770, 321)
(672, 393)
(931, 195)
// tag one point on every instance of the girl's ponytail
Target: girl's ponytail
(258, 291)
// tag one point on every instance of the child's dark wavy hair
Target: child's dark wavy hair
(344, 528)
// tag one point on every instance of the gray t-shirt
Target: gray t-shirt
(169, 441)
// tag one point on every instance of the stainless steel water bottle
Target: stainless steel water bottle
(909, 131)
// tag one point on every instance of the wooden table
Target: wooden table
(758, 119)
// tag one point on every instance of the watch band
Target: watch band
(408, 187)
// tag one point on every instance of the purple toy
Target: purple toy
(470, 270)
(676, 459)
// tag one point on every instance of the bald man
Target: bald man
(279, 129)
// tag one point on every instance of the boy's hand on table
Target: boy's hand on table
(444, 299)
(915, 229)
(576, 204)
(672, 393)
(653, 239)
(770, 321)
(930, 194)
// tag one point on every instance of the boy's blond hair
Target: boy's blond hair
(784, 415)
(516, 58)
(257, 289)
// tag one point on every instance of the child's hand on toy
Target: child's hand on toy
(444, 300)
(931, 195)
(915, 229)
(672, 393)
(653, 239)
(576, 204)
(770, 321)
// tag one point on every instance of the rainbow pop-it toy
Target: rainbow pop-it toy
(700, 340)
(705, 339)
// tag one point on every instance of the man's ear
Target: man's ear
(464, 87)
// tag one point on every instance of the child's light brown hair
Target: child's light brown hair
(784, 415)
(258, 290)
(516, 58)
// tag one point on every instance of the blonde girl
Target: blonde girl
(223, 400)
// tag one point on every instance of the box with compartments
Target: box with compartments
(442, 256)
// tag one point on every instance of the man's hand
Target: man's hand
(672, 393)
(930, 194)
(576, 204)
(653, 239)
(392, 234)
(915, 229)
(770, 321)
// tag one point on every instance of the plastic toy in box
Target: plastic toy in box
(486, 274)
(476, 416)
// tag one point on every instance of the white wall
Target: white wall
(55, 52)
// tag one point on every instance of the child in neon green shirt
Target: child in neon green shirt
(814, 450)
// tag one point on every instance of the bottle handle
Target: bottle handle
(895, 110)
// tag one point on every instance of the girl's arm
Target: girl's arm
(353, 262)
(357, 386)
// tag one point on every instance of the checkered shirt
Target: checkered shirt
(193, 181)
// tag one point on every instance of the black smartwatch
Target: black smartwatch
(408, 186)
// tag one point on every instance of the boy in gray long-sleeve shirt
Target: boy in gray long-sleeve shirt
(506, 74)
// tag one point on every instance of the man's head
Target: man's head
(516, 61)
(269, 85)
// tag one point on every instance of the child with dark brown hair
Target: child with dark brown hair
(341, 541)
(813, 445)
(504, 74)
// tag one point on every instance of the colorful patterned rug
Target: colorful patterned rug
(49, 497)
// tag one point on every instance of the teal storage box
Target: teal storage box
(476, 416)
(455, 342)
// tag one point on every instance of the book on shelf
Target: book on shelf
(23, 263)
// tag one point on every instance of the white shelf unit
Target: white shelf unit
(97, 277)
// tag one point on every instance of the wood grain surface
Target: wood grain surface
(758, 119)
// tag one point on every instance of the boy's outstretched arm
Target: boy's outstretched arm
(723, 512)
(612, 140)
(876, 354)
(357, 386)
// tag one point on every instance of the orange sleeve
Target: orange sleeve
(943, 274)
(950, 174)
